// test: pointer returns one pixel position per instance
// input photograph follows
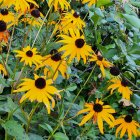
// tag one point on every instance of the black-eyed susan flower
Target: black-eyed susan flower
(121, 86)
(101, 62)
(75, 46)
(3, 32)
(19, 5)
(127, 125)
(98, 113)
(71, 20)
(3, 70)
(54, 64)
(7, 16)
(40, 90)
(29, 56)
(90, 2)
(34, 19)
(59, 4)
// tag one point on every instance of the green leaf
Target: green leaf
(46, 127)
(60, 136)
(14, 129)
(135, 3)
(72, 87)
(103, 2)
(133, 20)
(35, 137)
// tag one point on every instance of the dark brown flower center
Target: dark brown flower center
(99, 57)
(3, 26)
(55, 55)
(76, 15)
(40, 83)
(35, 13)
(128, 119)
(97, 107)
(79, 43)
(29, 53)
(114, 71)
(4, 12)
(124, 83)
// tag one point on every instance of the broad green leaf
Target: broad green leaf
(72, 87)
(60, 136)
(14, 129)
(46, 127)
(133, 20)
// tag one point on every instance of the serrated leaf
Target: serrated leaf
(14, 129)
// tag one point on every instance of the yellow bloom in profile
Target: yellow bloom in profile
(71, 20)
(98, 112)
(59, 4)
(39, 89)
(101, 62)
(127, 125)
(19, 5)
(121, 86)
(3, 70)
(90, 2)
(54, 64)
(29, 56)
(3, 32)
(75, 46)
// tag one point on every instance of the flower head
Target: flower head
(29, 56)
(121, 86)
(75, 46)
(98, 112)
(39, 90)
(71, 20)
(54, 64)
(101, 62)
(63, 4)
(127, 125)
(19, 5)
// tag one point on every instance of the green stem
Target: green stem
(30, 117)
(41, 26)
(72, 104)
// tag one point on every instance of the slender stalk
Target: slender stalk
(30, 117)
(41, 26)
(49, 138)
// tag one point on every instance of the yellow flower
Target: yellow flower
(19, 5)
(3, 70)
(35, 18)
(101, 62)
(62, 4)
(98, 112)
(3, 32)
(90, 2)
(54, 64)
(29, 56)
(121, 86)
(7, 16)
(127, 124)
(75, 46)
(71, 20)
(39, 90)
